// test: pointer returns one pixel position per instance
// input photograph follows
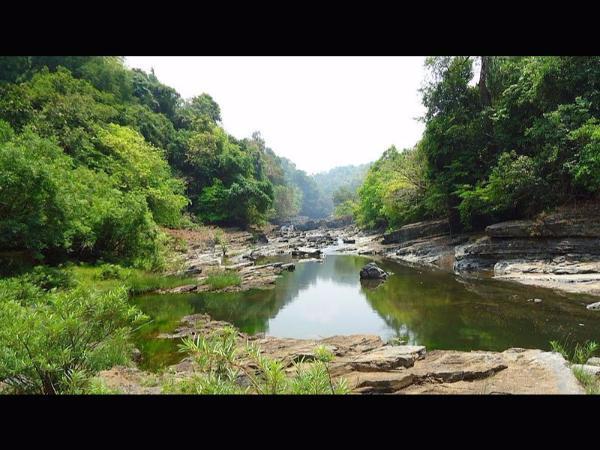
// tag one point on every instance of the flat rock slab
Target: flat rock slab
(128, 380)
(294, 350)
(514, 371)
(370, 366)
(387, 358)
(453, 366)
(379, 382)
(195, 324)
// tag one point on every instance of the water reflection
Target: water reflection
(432, 308)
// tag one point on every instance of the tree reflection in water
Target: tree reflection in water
(428, 307)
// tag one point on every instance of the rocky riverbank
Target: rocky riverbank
(372, 366)
(560, 251)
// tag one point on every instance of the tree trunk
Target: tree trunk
(484, 93)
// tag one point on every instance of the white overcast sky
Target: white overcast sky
(320, 112)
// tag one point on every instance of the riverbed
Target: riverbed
(419, 306)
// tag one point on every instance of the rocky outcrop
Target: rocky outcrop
(485, 252)
(514, 371)
(372, 272)
(555, 226)
(371, 366)
(435, 252)
(594, 361)
(558, 251)
(417, 230)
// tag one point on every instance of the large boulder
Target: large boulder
(372, 272)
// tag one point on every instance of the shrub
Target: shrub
(57, 342)
(111, 272)
(48, 278)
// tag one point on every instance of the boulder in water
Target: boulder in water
(372, 272)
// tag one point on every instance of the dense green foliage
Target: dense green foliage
(54, 342)
(394, 191)
(94, 157)
(521, 139)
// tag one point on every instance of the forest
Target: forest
(522, 138)
(95, 157)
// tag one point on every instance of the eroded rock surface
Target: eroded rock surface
(417, 230)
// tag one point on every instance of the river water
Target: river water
(418, 306)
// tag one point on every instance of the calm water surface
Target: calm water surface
(420, 306)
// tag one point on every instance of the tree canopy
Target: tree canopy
(520, 139)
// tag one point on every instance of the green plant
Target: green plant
(55, 343)
(590, 382)
(220, 241)
(48, 278)
(227, 367)
(579, 354)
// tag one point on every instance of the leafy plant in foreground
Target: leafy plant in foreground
(55, 343)
(225, 367)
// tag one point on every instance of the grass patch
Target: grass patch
(591, 383)
(223, 280)
(107, 277)
(579, 354)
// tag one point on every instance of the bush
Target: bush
(49, 278)
(111, 272)
(55, 343)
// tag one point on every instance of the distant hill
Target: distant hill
(350, 177)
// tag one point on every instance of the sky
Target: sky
(320, 112)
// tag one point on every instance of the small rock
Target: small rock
(594, 306)
(136, 355)
(595, 361)
(193, 270)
